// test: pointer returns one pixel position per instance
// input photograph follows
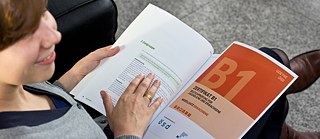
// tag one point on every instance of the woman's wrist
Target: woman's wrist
(69, 80)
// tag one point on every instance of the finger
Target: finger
(104, 52)
(144, 85)
(152, 90)
(133, 84)
(111, 51)
(156, 104)
(107, 102)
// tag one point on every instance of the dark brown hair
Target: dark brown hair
(19, 18)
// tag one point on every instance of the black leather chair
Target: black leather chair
(85, 25)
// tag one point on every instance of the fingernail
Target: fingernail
(160, 99)
(151, 75)
(157, 82)
(140, 75)
(113, 47)
(102, 93)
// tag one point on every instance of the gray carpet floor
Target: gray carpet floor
(292, 25)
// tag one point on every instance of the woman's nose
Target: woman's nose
(51, 37)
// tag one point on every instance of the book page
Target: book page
(227, 98)
(155, 42)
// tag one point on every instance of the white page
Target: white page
(155, 42)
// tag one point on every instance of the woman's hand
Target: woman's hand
(132, 113)
(84, 66)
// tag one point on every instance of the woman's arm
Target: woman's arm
(84, 66)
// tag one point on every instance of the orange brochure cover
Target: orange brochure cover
(234, 92)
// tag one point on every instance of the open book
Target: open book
(205, 95)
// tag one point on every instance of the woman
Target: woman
(28, 34)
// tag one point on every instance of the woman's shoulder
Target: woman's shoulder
(74, 123)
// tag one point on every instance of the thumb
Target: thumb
(105, 52)
(107, 103)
